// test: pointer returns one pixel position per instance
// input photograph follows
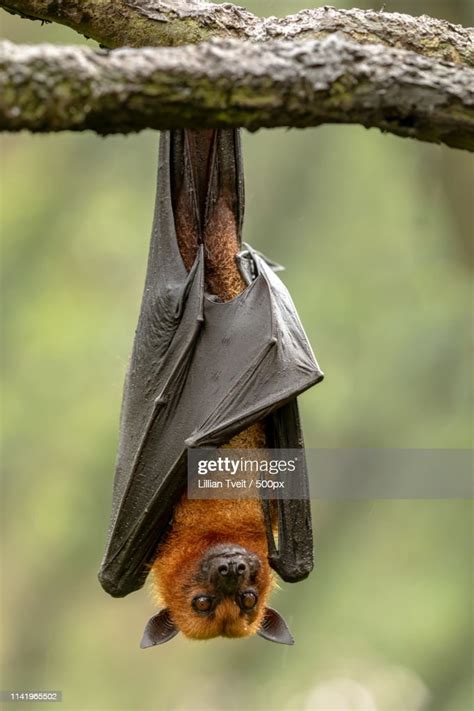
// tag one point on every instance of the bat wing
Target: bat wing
(170, 318)
(201, 371)
(264, 361)
(292, 556)
(284, 369)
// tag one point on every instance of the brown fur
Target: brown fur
(222, 275)
(200, 524)
(185, 230)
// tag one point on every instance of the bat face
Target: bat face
(218, 590)
(214, 585)
(224, 593)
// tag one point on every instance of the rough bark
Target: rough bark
(138, 23)
(233, 83)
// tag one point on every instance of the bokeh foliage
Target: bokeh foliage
(375, 234)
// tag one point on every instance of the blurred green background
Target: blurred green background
(375, 233)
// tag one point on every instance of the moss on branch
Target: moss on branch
(234, 83)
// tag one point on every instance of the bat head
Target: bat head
(223, 592)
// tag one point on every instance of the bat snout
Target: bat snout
(228, 566)
(227, 572)
(231, 566)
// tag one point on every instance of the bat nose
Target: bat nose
(232, 567)
(228, 566)
(229, 572)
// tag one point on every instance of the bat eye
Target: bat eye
(203, 603)
(248, 600)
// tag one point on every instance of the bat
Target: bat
(219, 357)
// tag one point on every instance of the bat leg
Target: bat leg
(186, 156)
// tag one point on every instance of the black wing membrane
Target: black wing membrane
(201, 371)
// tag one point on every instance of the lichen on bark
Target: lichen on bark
(225, 83)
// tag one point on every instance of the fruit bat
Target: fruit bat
(219, 357)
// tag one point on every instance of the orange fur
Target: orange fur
(199, 524)
(221, 244)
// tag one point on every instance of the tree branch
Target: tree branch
(233, 83)
(139, 23)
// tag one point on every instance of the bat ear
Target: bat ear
(274, 628)
(159, 629)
